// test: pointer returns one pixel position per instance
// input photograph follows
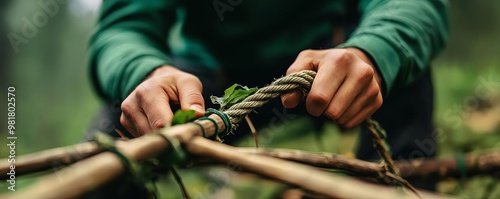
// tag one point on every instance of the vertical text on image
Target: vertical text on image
(11, 136)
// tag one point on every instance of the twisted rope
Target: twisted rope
(383, 150)
(379, 135)
(301, 80)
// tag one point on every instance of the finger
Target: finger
(306, 60)
(134, 119)
(190, 97)
(140, 122)
(364, 98)
(357, 81)
(329, 78)
(153, 103)
(290, 100)
(128, 126)
(365, 112)
(131, 126)
(157, 110)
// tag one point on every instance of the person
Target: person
(372, 58)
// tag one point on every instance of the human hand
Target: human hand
(346, 89)
(148, 107)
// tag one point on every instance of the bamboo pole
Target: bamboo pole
(49, 159)
(306, 177)
(476, 163)
(86, 175)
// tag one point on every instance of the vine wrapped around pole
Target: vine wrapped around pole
(104, 167)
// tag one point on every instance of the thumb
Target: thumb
(291, 100)
(190, 97)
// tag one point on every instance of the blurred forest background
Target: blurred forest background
(55, 102)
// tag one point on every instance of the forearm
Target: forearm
(118, 66)
(401, 37)
(128, 44)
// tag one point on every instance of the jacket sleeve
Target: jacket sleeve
(401, 36)
(128, 43)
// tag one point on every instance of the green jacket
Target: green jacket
(133, 37)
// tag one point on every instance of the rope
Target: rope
(379, 143)
(141, 176)
(175, 154)
(379, 135)
(144, 174)
(225, 118)
(232, 116)
(303, 81)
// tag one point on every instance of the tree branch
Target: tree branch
(86, 175)
(476, 163)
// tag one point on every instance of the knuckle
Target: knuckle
(319, 99)
(188, 77)
(346, 53)
(333, 113)
(297, 65)
(291, 69)
(194, 95)
(343, 57)
(365, 75)
(372, 92)
(141, 93)
(305, 53)
(366, 72)
(126, 108)
(159, 123)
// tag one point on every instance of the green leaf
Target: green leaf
(233, 95)
(217, 100)
(229, 91)
(181, 117)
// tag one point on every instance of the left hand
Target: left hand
(347, 87)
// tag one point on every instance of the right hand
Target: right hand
(147, 108)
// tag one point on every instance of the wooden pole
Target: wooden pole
(86, 175)
(306, 177)
(49, 159)
(476, 163)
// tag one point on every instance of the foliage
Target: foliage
(56, 102)
(181, 117)
(233, 95)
